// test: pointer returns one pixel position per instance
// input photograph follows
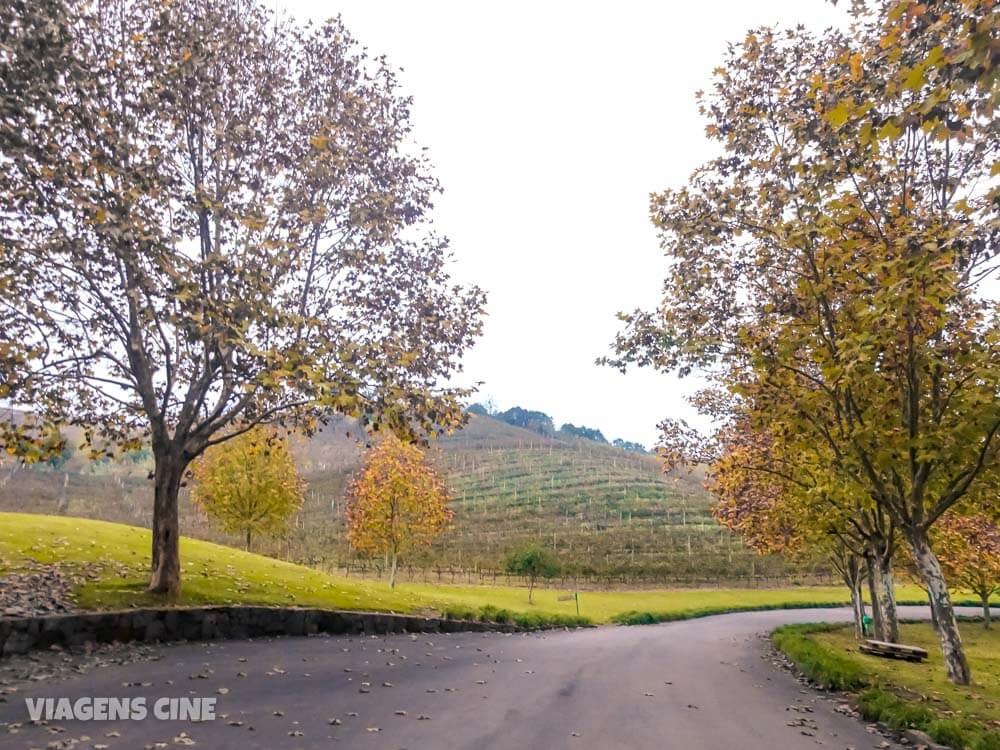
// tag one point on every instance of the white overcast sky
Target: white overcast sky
(549, 124)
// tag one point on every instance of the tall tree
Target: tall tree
(828, 268)
(250, 484)
(396, 502)
(211, 219)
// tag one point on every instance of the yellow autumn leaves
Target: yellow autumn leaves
(396, 502)
(249, 485)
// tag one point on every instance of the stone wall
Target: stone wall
(22, 634)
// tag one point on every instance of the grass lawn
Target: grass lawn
(603, 606)
(113, 560)
(929, 680)
(211, 574)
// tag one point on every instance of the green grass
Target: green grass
(929, 678)
(823, 665)
(615, 606)
(116, 557)
(904, 694)
(489, 613)
(212, 574)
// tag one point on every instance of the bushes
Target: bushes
(529, 620)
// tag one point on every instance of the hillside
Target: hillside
(610, 513)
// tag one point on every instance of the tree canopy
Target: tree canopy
(249, 485)
(587, 433)
(396, 502)
(212, 219)
(827, 269)
(532, 562)
(536, 421)
(969, 549)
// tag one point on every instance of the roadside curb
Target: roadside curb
(19, 635)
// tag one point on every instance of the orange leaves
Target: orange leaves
(968, 548)
(397, 501)
(856, 59)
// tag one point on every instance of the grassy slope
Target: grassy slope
(212, 573)
(216, 574)
(929, 679)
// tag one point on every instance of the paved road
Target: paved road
(705, 684)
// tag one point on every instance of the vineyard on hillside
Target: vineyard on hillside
(610, 515)
(603, 510)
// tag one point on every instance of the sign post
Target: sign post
(575, 596)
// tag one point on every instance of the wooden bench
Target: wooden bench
(893, 650)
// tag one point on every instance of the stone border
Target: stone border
(19, 635)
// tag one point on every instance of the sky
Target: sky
(549, 123)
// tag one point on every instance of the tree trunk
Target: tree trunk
(879, 628)
(249, 536)
(63, 496)
(858, 603)
(392, 571)
(986, 611)
(859, 612)
(951, 640)
(851, 572)
(166, 574)
(886, 591)
(930, 603)
(531, 588)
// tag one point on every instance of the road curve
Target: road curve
(704, 684)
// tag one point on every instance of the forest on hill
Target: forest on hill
(608, 512)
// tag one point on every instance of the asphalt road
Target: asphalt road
(705, 684)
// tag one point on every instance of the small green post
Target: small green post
(576, 595)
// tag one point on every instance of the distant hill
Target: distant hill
(542, 423)
(608, 512)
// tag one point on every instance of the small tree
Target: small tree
(532, 562)
(969, 550)
(249, 485)
(396, 502)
